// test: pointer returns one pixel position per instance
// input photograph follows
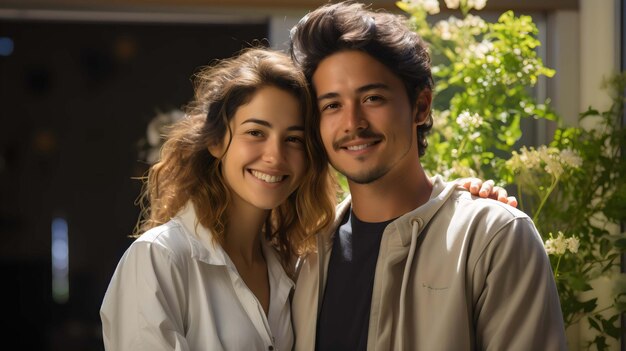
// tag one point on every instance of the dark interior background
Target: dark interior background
(75, 101)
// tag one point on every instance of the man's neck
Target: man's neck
(391, 196)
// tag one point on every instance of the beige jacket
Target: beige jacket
(457, 273)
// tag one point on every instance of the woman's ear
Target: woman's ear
(216, 149)
(423, 104)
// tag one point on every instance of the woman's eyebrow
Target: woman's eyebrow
(269, 125)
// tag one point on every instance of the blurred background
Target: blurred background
(80, 80)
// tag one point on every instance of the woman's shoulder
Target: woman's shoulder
(169, 238)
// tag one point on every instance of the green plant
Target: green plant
(574, 188)
(577, 187)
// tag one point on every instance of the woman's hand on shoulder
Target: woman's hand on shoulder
(487, 189)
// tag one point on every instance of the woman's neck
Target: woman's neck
(242, 239)
(242, 243)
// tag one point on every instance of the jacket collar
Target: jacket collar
(441, 192)
(340, 212)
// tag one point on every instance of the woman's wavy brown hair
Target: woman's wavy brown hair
(187, 171)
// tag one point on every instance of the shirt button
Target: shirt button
(271, 348)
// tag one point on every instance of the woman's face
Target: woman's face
(266, 159)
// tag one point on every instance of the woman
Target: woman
(241, 186)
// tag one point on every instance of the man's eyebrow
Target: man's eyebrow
(359, 90)
(327, 96)
(372, 87)
(269, 125)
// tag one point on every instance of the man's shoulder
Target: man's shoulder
(464, 202)
(486, 218)
(487, 224)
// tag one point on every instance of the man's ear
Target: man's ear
(423, 104)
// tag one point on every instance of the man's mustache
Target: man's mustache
(363, 133)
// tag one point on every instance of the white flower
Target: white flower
(453, 4)
(554, 168)
(156, 130)
(514, 163)
(443, 29)
(553, 160)
(550, 157)
(458, 170)
(481, 49)
(430, 6)
(529, 158)
(474, 136)
(528, 68)
(560, 244)
(472, 21)
(467, 120)
(571, 158)
(556, 246)
(572, 244)
(477, 4)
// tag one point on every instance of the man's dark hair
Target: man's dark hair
(384, 36)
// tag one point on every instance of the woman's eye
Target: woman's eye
(255, 133)
(295, 139)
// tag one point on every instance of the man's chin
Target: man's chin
(364, 177)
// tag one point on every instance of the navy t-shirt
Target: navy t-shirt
(344, 317)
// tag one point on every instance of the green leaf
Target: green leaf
(589, 305)
(610, 327)
(594, 324)
(579, 283)
(403, 6)
(620, 244)
(590, 112)
(600, 342)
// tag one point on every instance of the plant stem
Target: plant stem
(461, 148)
(545, 198)
(556, 270)
(581, 315)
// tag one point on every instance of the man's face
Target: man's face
(367, 122)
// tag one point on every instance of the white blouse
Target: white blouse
(174, 289)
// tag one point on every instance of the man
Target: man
(412, 262)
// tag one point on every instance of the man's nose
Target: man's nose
(354, 119)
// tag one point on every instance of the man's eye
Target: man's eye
(374, 98)
(330, 106)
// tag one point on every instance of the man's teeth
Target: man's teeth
(267, 178)
(358, 147)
